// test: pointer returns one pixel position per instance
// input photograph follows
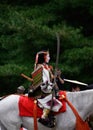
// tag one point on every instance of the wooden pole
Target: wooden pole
(26, 77)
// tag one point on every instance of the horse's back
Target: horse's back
(9, 102)
(9, 111)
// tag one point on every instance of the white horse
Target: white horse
(10, 119)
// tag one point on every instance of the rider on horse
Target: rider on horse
(45, 101)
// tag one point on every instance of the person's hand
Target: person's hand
(58, 74)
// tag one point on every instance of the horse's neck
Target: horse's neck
(82, 101)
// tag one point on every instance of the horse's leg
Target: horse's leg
(10, 126)
(13, 128)
(2, 127)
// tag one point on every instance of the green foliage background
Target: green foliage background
(28, 26)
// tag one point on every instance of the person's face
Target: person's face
(47, 58)
(20, 91)
(75, 89)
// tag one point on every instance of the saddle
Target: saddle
(26, 106)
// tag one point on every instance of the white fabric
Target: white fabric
(24, 129)
(46, 76)
(46, 103)
(46, 88)
(46, 80)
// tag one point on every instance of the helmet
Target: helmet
(21, 88)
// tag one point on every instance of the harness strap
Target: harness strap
(35, 115)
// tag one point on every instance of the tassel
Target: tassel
(35, 115)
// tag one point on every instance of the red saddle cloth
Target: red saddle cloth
(26, 106)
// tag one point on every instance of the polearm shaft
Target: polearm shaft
(57, 58)
(56, 66)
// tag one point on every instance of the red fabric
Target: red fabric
(35, 115)
(61, 99)
(26, 106)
